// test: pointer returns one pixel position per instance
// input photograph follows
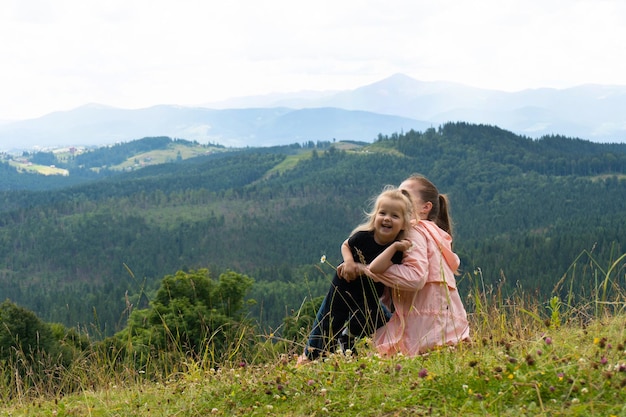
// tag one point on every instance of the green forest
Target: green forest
(79, 250)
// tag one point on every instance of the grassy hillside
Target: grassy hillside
(68, 166)
(572, 364)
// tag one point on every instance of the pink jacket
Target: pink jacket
(428, 308)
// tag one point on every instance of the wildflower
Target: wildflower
(603, 360)
(214, 410)
(561, 375)
(584, 391)
(423, 373)
(548, 340)
(323, 260)
(310, 382)
(398, 368)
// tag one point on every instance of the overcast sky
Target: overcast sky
(61, 54)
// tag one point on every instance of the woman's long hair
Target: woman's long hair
(441, 205)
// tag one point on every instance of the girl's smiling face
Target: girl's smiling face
(389, 220)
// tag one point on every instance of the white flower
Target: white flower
(323, 259)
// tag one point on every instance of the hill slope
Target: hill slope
(524, 211)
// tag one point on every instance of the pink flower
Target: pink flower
(423, 373)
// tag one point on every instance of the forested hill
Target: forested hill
(524, 210)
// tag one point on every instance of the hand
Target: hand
(403, 245)
(349, 271)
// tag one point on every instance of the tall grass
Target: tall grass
(564, 355)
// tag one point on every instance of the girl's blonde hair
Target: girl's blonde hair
(393, 193)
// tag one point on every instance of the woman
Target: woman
(428, 308)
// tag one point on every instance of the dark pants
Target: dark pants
(353, 306)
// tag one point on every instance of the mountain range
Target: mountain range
(395, 104)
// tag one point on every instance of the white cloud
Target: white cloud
(60, 54)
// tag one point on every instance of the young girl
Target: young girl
(353, 303)
(428, 308)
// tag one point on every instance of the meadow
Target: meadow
(565, 356)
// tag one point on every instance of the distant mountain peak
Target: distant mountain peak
(592, 112)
